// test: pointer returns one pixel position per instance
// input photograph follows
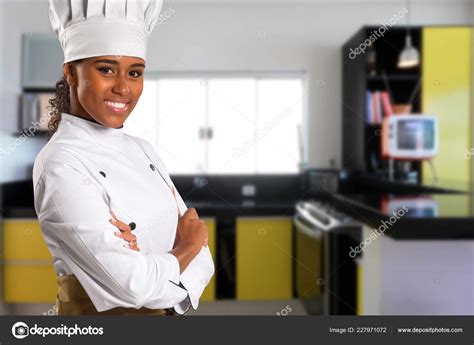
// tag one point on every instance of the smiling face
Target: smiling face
(105, 89)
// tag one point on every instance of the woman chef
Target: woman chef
(90, 169)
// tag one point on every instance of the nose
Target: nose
(121, 85)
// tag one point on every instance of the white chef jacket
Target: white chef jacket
(84, 171)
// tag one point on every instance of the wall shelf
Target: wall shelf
(362, 140)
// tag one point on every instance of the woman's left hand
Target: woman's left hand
(125, 232)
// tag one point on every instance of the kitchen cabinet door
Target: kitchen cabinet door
(209, 293)
(170, 115)
(29, 283)
(447, 93)
(28, 273)
(254, 125)
(232, 120)
(221, 125)
(42, 61)
(264, 258)
(280, 105)
(181, 112)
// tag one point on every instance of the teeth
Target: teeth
(116, 104)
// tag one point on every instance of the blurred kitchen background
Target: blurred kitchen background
(295, 128)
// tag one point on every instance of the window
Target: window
(222, 125)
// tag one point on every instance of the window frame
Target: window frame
(257, 75)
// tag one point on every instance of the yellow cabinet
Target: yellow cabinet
(29, 283)
(264, 258)
(447, 93)
(23, 240)
(209, 293)
(28, 273)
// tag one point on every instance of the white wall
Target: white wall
(227, 35)
(16, 17)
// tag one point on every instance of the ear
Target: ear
(70, 73)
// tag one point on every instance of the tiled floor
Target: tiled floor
(221, 307)
(232, 307)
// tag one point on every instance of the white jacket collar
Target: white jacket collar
(79, 127)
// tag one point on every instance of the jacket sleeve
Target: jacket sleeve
(200, 270)
(73, 212)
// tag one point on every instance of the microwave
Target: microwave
(34, 111)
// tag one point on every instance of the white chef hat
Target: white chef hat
(88, 28)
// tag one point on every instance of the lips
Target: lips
(117, 106)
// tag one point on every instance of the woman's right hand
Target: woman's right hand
(191, 235)
(191, 230)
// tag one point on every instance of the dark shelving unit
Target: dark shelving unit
(361, 140)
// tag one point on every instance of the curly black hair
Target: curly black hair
(58, 105)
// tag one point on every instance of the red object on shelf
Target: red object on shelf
(376, 107)
(387, 106)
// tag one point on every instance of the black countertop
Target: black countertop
(245, 208)
(204, 209)
(432, 213)
(211, 196)
(423, 216)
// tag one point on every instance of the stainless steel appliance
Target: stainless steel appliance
(327, 180)
(325, 274)
(34, 114)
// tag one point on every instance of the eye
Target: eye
(136, 74)
(105, 70)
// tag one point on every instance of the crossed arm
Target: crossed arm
(186, 246)
(81, 236)
(192, 275)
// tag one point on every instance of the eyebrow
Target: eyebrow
(113, 62)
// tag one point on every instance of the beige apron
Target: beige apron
(72, 299)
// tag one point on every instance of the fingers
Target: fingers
(206, 237)
(134, 248)
(133, 244)
(125, 232)
(129, 237)
(125, 236)
(119, 224)
(191, 213)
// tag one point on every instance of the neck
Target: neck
(76, 109)
(89, 118)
